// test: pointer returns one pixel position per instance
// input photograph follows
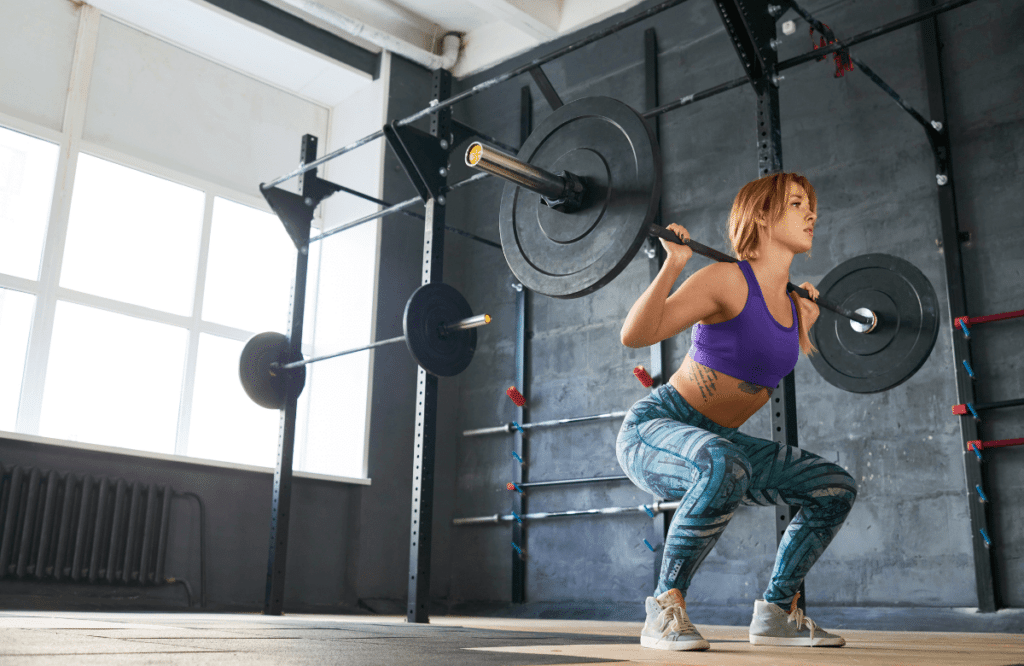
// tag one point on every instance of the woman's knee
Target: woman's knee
(841, 488)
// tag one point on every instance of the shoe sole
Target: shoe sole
(796, 642)
(677, 645)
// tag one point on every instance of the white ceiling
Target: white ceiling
(492, 31)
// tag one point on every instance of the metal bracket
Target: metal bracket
(420, 154)
(296, 210)
(748, 23)
(546, 89)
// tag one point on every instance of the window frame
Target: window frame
(47, 291)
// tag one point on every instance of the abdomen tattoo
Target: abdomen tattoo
(704, 378)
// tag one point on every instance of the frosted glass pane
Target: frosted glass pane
(132, 237)
(225, 424)
(250, 271)
(113, 380)
(28, 167)
(336, 428)
(15, 322)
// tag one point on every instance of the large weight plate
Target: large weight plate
(430, 306)
(265, 387)
(908, 324)
(611, 147)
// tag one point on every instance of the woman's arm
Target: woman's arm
(654, 317)
(644, 318)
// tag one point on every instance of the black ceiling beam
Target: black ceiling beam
(295, 29)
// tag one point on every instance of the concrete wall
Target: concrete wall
(908, 540)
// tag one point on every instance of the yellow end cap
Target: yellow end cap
(487, 319)
(474, 154)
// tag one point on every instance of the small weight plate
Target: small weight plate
(612, 149)
(264, 386)
(908, 324)
(427, 309)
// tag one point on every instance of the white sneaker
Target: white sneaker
(667, 626)
(773, 626)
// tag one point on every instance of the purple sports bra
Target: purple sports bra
(751, 346)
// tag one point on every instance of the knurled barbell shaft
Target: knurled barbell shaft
(547, 184)
(461, 325)
(515, 171)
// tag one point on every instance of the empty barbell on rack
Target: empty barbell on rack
(439, 330)
(596, 167)
(495, 519)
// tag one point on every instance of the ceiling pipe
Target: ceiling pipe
(451, 43)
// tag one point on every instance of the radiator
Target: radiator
(67, 527)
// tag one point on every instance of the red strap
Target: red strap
(970, 321)
(978, 444)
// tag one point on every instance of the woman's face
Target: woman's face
(796, 228)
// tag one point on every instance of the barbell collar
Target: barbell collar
(461, 325)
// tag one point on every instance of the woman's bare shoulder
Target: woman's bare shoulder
(725, 276)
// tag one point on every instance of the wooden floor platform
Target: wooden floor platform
(191, 638)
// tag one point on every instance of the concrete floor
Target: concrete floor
(156, 638)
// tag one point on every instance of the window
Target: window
(15, 322)
(160, 286)
(132, 237)
(137, 255)
(250, 270)
(28, 167)
(113, 380)
(225, 424)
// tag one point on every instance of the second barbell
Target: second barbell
(438, 328)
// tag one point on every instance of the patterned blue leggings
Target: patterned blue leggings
(671, 450)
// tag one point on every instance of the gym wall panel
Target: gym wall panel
(163, 104)
(37, 45)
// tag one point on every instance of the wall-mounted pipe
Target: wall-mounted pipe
(451, 43)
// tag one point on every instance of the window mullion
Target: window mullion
(195, 328)
(30, 406)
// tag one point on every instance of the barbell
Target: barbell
(596, 167)
(438, 328)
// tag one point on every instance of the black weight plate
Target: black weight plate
(265, 387)
(611, 147)
(908, 323)
(430, 306)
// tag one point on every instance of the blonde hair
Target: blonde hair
(758, 207)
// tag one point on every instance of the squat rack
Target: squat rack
(751, 26)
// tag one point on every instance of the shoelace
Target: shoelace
(674, 619)
(797, 616)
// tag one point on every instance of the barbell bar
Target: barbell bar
(556, 189)
(655, 507)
